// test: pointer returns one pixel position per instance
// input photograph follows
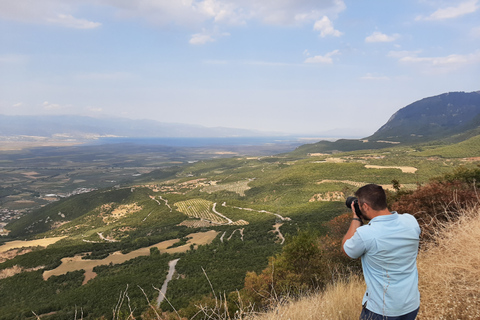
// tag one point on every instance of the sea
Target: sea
(210, 142)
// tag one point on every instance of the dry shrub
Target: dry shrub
(449, 270)
(437, 202)
(331, 243)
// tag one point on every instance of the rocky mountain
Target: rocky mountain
(433, 118)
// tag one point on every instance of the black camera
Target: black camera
(348, 203)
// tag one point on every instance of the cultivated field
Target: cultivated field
(239, 187)
(200, 209)
(30, 243)
(77, 263)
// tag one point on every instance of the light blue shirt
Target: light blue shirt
(388, 247)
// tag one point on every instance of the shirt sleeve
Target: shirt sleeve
(355, 246)
(413, 222)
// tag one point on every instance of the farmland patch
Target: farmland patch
(239, 187)
(201, 209)
(404, 169)
(30, 243)
(328, 196)
(119, 212)
(77, 263)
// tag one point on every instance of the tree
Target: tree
(299, 268)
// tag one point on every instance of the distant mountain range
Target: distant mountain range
(428, 119)
(81, 127)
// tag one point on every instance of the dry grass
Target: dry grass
(449, 276)
(340, 301)
(45, 242)
(449, 271)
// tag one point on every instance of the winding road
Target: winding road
(163, 290)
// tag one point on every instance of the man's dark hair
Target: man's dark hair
(374, 195)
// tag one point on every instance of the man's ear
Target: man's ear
(366, 205)
(365, 208)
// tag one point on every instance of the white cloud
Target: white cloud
(66, 20)
(17, 105)
(93, 109)
(445, 64)
(461, 9)
(326, 59)
(289, 12)
(190, 13)
(55, 12)
(201, 38)
(325, 26)
(221, 11)
(381, 37)
(51, 106)
(207, 36)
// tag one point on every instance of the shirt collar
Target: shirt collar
(390, 217)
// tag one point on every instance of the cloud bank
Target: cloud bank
(461, 9)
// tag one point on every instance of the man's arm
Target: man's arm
(353, 227)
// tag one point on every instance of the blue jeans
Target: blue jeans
(369, 315)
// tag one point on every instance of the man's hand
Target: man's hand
(353, 210)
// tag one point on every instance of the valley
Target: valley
(128, 233)
(82, 224)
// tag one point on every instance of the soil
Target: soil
(77, 263)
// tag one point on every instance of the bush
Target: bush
(441, 200)
(300, 268)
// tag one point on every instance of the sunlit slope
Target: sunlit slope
(464, 149)
(48, 217)
(283, 185)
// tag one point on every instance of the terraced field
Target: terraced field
(239, 187)
(200, 209)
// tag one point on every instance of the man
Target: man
(388, 247)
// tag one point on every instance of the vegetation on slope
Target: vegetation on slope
(464, 149)
(294, 193)
(433, 118)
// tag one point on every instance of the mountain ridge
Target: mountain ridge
(432, 118)
(446, 118)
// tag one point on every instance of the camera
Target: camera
(348, 203)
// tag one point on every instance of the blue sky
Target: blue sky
(295, 66)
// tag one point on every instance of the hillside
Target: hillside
(251, 202)
(432, 118)
(446, 118)
(222, 218)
